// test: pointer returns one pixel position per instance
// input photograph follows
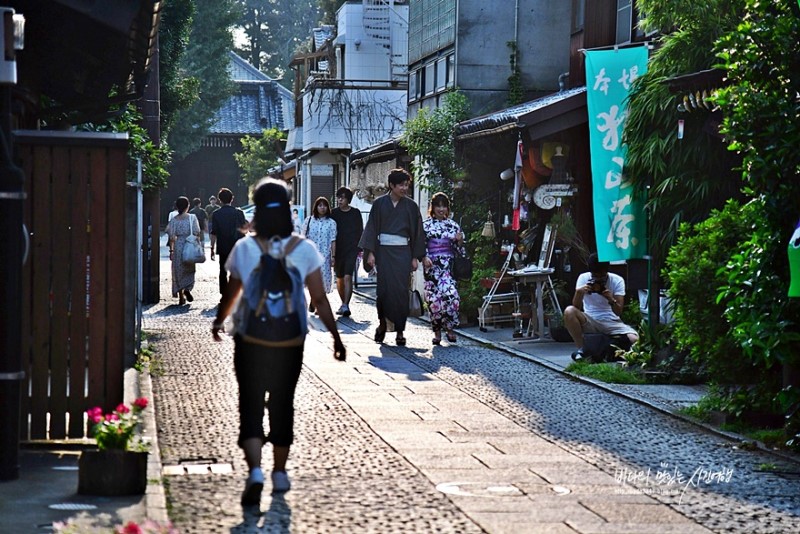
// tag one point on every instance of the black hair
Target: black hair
(439, 199)
(344, 192)
(182, 204)
(398, 176)
(196, 201)
(272, 216)
(225, 195)
(595, 265)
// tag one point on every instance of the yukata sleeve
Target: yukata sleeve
(418, 241)
(369, 237)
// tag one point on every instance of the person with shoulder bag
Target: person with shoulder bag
(444, 239)
(263, 363)
(182, 228)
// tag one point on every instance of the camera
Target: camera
(597, 286)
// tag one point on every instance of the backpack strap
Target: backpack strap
(294, 240)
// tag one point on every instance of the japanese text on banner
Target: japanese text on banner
(620, 226)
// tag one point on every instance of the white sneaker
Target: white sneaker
(280, 482)
(252, 488)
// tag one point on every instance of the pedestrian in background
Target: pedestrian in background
(261, 369)
(228, 225)
(202, 218)
(393, 242)
(321, 229)
(179, 228)
(349, 227)
(212, 206)
(443, 238)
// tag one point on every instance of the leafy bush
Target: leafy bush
(693, 272)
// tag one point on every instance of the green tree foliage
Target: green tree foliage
(692, 269)
(682, 179)
(259, 154)
(762, 120)
(155, 159)
(207, 60)
(274, 30)
(328, 9)
(177, 89)
(428, 137)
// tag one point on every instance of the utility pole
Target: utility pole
(12, 236)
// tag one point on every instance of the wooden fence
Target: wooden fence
(74, 304)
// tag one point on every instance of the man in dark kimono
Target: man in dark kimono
(394, 243)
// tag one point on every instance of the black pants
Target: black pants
(223, 274)
(261, 370)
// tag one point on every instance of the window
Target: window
(624, 21)
(413, 91)
(430, 78)
(451, 70)
(441, 74)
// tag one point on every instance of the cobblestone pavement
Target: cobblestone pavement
(611, 465)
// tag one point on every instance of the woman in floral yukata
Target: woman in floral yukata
(443, 237)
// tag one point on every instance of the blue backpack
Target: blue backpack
(276, 303)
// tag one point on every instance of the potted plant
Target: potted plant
(119, 464)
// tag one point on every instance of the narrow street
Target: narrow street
(462, 438)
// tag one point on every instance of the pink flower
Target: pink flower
(132, 528)
(122, 409)
(140, 403)
(94, 412)
(112, 417)
(96, 418)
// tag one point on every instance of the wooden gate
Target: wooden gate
(74, 319)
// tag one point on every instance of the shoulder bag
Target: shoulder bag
(414, 300)
(193, 250)
(461, 266)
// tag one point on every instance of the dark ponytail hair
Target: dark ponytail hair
(272, 216)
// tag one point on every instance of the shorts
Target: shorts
(345, 263)
(608, 327)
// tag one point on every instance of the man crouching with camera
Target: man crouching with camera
(597, 306)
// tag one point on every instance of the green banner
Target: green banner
(619, 221)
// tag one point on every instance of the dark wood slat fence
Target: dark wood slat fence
(74, 316)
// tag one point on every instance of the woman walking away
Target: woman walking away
(321, 229)
(178, 229)
(274, 370)
(443, 238)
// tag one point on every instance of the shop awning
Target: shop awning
(541, 117)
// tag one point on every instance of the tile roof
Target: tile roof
(260, 103)
(513, 114)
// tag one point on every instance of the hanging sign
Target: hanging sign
(620, 225)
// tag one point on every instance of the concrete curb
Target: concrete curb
(154, 502)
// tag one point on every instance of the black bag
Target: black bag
(414, 303)
(276, 308)
(602, 347)
(461, 267)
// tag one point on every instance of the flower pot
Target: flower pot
(112, 472)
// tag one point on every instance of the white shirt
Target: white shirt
(246, 256)
(596, 305)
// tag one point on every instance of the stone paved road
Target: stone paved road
(354, 470)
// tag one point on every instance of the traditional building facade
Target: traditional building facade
(260, 103)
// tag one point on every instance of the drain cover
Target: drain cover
(479, 489)
(197, 469)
